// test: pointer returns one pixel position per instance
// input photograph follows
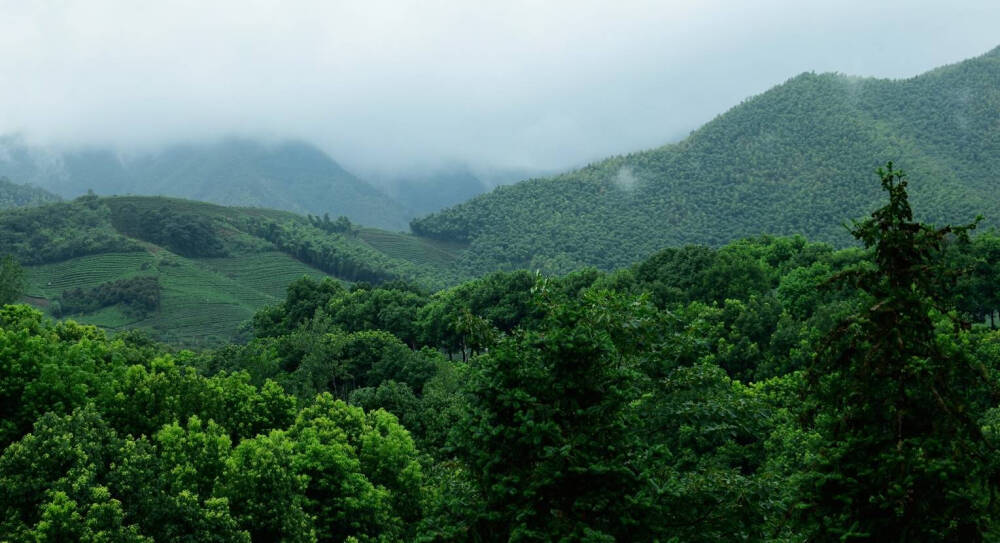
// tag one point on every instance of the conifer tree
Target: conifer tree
(896, 403)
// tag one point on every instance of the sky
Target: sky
(386, 86)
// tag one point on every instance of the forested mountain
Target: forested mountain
(14, 195)
(292, 176)
(793, 160)
(191, 272)
(771, 390)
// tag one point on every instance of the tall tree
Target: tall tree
(550, 435)
(900, 455)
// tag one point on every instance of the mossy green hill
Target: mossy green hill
(797, 159)
(214, 266)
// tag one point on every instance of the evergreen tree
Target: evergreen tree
(900, 455)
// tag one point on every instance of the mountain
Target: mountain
(797, 159)
(192, 272)
(293, 176)
(14, 195)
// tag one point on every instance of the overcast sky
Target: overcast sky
(382, 85)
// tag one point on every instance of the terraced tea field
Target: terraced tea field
(203, 301)
(50, 280)
(268, 272)
(420, 251)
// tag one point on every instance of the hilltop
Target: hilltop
(290, 175)
(192, 272)
(796, 159)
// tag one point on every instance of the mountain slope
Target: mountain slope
(791, 160)
(292, 176)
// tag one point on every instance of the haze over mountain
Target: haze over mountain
(386, 87)
(289, 175)
(425, 189)
(797, 159)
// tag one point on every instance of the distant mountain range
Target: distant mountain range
(424, 190)
(797, 159)
(291, 175)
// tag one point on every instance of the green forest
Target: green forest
(771, 388)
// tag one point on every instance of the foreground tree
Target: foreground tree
(549, 434)
(895, 401)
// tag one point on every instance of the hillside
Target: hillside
(796, 159)
(14, 195)
(192, 272)
(291, 176)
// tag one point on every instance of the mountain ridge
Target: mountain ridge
(796, 159)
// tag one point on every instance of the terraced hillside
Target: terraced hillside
(421, 251)
(204, 295)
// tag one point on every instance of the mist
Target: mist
(383, 86)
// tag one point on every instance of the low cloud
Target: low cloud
(381, 85)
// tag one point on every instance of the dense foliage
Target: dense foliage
(139, 295)
(186, 234)
(898, 403)
(790, 161)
